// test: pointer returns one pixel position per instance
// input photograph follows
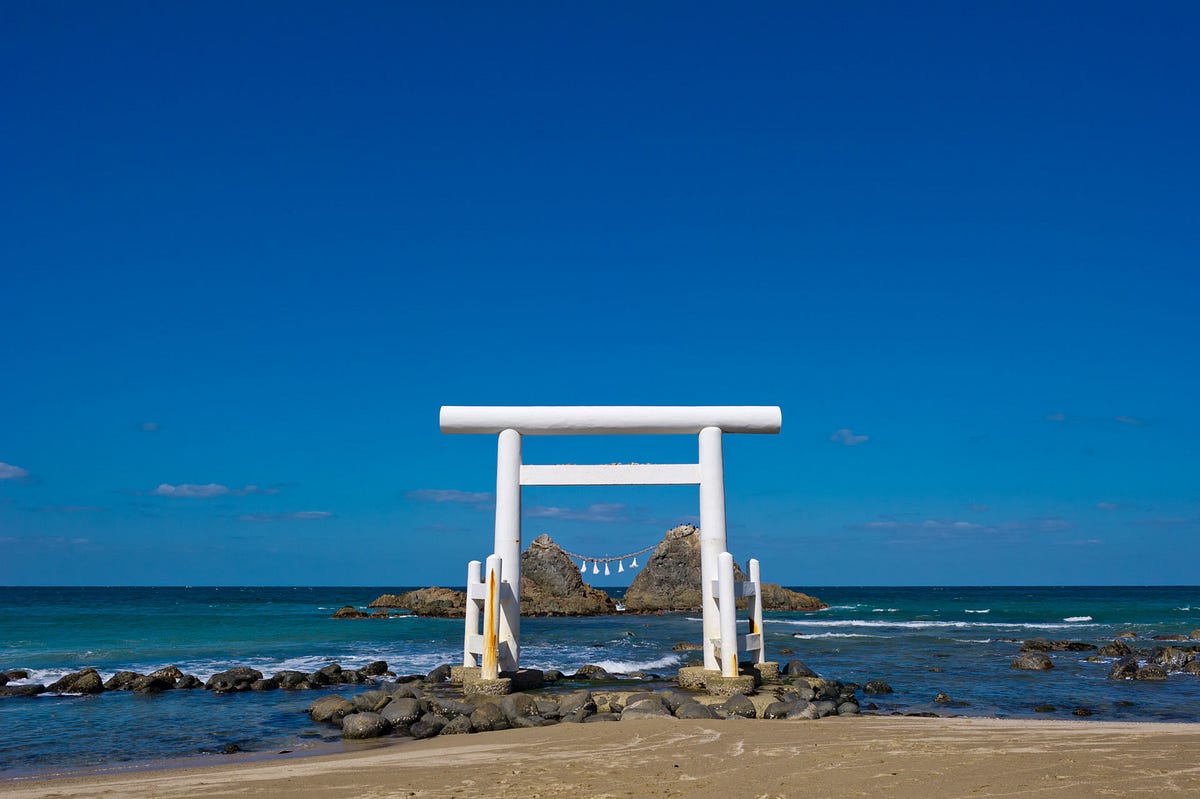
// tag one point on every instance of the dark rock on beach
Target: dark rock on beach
(330, 709)
(365, 725)
(877, 687)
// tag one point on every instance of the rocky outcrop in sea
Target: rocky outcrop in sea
(670, 580)
(551, 585)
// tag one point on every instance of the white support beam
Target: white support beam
(566, 420)
(616, 474)
(740, 590)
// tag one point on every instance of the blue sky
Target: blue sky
(249, 249)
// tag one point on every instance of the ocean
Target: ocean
(922, 641)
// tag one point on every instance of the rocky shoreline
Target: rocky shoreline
(423, 708)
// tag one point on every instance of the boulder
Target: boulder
(188, 682)
(386, 601)
(1117, 649)
(877, 687)
(439, 674)
(172, 673)
(327, 675)
(331, 709)
(488, 717)
(377, 668)
(459, 725)
(687, 646)
(778, 710)
(152, 684)
(796, 668)
(1170, 658)
(576, 701)
(349, 612)
(122, 680)
(291, 680)
(516, 706)
(694, 710)
(22, 690)
(1124, 669)
(551, 584)
(80, 682)
(427, 726)
(645, 709)
(847, 709)
(402, 712)
(1044, 645)
(238, 678)
(1033, 661)
(365, 725)
(371, 701)
(737, 706)
(590, 672)
(1150, 672)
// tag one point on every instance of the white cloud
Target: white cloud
(848, 437)
(1107, 505)
(477, 498)
(295, 516)
(1056, 417)
(10, 472)
(148, 427)
(603, 512)
(1133, 420)
(191, 490)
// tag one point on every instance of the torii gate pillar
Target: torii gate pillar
(712, 534)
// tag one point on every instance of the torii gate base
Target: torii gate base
(491, 643)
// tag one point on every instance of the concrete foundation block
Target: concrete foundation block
(716, 685)
(463, 674)
(497, 687)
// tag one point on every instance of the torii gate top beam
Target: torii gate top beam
(566, 420)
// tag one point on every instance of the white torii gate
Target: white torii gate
(503, 585)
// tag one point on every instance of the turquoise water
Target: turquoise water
(896, 634)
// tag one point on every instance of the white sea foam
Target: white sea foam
(884, 610)
(925, 625)
(985, 610)
(842, 635)
(628, 666)
(1074, 619)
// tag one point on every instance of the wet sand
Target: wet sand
(898, 758)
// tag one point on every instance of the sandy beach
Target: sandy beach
(837, 757)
